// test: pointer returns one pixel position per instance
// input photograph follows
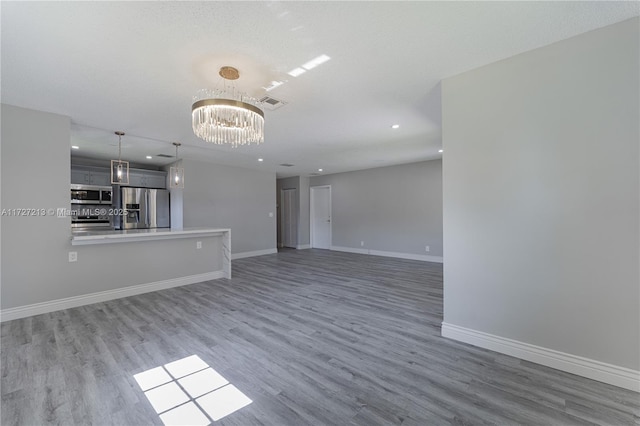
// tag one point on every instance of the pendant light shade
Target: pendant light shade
(119, 168)
(176, 174)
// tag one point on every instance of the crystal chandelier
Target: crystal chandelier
(227, 116)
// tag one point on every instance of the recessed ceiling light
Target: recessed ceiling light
(319, 170)
(296, 72)
(395, 126)
(315, 62)
(149, 157)
(260, 159)
(75, 147)
(440, 150)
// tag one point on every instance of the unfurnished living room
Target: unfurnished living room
(320, 213)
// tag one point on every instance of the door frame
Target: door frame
(312, 214)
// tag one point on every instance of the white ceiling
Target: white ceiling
(134, 66)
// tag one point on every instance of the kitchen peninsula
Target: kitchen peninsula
(108, 265)
(155, 235)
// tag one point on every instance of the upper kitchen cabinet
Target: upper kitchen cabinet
(92, 175)
(147, 178)
(86, 175)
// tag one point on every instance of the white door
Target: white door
(321, 217)
(289, 218)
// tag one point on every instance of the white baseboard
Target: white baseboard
(585, 367)
(350, 250)
(422, 257)
(304, 247)
(235, 256)
(103, 296)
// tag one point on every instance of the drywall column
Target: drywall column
(304, 240)
(36, 164)
(541, 203)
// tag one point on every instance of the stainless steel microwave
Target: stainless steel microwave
(90, 194)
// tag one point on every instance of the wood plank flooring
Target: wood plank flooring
(312, 337)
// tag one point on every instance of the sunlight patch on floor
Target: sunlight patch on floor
(189, 392)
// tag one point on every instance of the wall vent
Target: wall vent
(271, 103)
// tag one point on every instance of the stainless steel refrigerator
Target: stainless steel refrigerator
(145, 208)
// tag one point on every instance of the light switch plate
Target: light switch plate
(73, 256)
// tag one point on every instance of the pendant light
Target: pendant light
(176, 174)
(119, 168)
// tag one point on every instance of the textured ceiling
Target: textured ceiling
(134, 66)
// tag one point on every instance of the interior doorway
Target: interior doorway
(289, 218)
(320, 217)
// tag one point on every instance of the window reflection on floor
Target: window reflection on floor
(189, 392)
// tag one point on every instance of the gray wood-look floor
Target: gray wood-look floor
(312, 337)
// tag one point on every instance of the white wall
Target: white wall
(34, 265)
(396, 209)
(541, 197)
(230, 197)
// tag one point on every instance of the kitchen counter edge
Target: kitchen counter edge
(131, 235)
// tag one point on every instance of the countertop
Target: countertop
(102, 237)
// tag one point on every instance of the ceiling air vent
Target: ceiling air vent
(164, 156)
(271, 103)
(286, 165)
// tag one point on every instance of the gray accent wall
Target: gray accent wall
(541, 197)
(394, 209)
(218, 196)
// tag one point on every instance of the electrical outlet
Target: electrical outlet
(361, 243)
(198, 244)
(426, 248)
(73, 256)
